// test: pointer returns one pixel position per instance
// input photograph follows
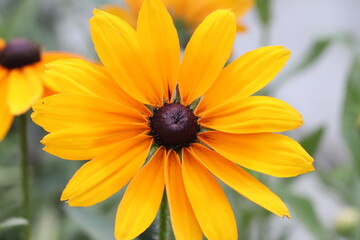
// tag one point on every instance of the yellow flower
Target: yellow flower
(21, 78)
(114, 114)
(190, 12)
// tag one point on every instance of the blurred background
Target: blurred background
(321, 80)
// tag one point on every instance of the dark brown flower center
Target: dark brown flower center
(174, 126)
(19, 52)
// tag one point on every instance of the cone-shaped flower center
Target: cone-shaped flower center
(174, 126)
(19, 52)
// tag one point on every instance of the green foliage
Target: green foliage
(264, 11)
(13, 222)
(92, 223)
(312, 141)
(304, 211)
(351, 112)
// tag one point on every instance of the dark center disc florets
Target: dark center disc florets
(174, 126)
(19, 52)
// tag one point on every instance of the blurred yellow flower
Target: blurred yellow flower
(190, 12)
(140, 98)
(21, 78)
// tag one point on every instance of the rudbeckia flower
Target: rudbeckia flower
(191, 13)
(22, 81)
(144, 99)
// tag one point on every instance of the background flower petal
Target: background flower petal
(269, 153)
(142, 199)
(208, 200)
(5, 115)
(24, 88)
(106, 174)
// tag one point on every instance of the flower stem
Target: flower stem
(163, 226)
(24, 174)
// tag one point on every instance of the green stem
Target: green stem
(163, 228)
(265, 35)
(25, 174)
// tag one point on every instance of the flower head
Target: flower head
(21, 78)
(144, 97)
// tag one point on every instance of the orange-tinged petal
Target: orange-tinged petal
(118, 48)
(245, 76)
(62, 111)
(87, 141)
(183, 220)
(2, 43)
(127, 16)
(24, 88)
(47, 57)
(142, 199)
(106, 174)
(206, 54)
(160, 43)
(134, 4)
(208, 200)
(269, 153)
(240, 180)
(77, 76)
(240, 7)
(253, 115)
(5, 115)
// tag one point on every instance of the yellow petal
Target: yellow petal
(269, 153)
(118, 48)
(5, 115)
(160, 43)
(206, 54)
(25, 87)
(47, 57)
(106, 174)
(62, 111)
(240, 180)
(142, 199)
(183, 220)
(87, 141)
(245, 76)
(253, 115)
(208, 200)
(77, 76)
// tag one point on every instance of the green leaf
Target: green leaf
(13, 222)
(351, 112)
(92, 224)
(311, 142)
(263, 9)
(319, 47)
(304, 211)
(315, 51)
